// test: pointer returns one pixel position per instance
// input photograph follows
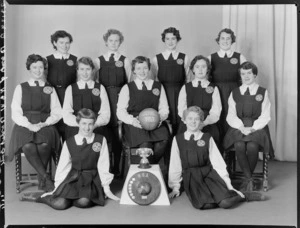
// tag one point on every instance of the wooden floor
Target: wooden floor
(279, 209)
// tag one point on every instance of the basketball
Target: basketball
(149, 119)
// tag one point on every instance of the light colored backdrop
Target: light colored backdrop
(28, 30)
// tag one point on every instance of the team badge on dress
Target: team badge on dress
(155, 91)
(201, 143)
(96, 146)
(70, 62)
(179, 61)
(47, 90)
(233, 61)
(96, 91)
(119, 64)
(209, 89)
(258, 97)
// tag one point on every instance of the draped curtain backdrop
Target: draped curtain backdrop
(267, 36)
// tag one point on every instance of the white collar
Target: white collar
(222, 53)
(116, 54)
(197, 134)
(252, 87)
(31, 82)
(58, 55)
(90, 83)
(79, 138)
(204, 82)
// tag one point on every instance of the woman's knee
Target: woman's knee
(29, 148)
(83, 203)
(61, 204)
(252, 147)
(225, 204)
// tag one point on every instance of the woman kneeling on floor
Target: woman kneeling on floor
(196, 160)
(83, 169)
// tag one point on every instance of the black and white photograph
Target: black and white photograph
(117, 114)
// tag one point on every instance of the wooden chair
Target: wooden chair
(29, 181)
(230, 160)
(128, 155)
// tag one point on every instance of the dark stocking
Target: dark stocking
(160, 149)
(83, 203)
(209, 206)
(229, 202)
(117, 149)
(252, 154)
(240, 149)
(57, 203)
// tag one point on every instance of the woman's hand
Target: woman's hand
(245, 130)
(34, 127)
(136, 123)
(174, 194)
(41, 125)
(110, 195)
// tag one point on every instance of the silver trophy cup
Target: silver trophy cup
(144, 153)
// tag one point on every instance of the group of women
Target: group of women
(80, 102)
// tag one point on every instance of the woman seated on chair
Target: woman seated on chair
(35, 109)
(83, 170)
(196, 160)
(248, 116)
(86, 93)
(134, 97)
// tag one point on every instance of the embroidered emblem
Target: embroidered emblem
(119, 64)
(155, 91)
(209, 89)
(70, 62)
(96, 146)
(233, 61)
(96, 91)
(201, 142)
(258, 97)
(179, 61)
(47, 90)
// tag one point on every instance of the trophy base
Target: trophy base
(144, 166)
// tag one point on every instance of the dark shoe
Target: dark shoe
(30, 196)
(250, 185)
(47, 184)
(254, 196)
(41, 182)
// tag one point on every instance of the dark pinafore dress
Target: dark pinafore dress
(248, 108)
(87, 98)
(61, 74)
(226, 77)
(201, 97)
(83, 180)
(171, 74)
(202, 183)
(138, 101)
(112, 76)
(36, 101)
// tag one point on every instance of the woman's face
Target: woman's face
(86, 127)
(113, 42)
(62, 45)
(84, 72)
(170, 41)
(37, 70)
(247, 76)
(192, 121)
(141, 70)
(200, 69)
(225, 41)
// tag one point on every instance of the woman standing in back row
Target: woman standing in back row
(225, 64)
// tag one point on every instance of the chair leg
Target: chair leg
(265, 172)
(18, 164)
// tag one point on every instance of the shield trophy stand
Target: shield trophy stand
(144, 184)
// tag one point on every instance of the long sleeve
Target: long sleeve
(232, 118)
(104, 112)
(63, 168)
(242, 59)
(186, 65)
(103, 166)
(97, 64)
(16, 110)
(163, 107)
(265, 115)
(182, 105)
(122, 106)
(68, 111)
(127, 66)
(216, 108)
(56, 110)
(175, 168)
(154, 68)
(219, 165)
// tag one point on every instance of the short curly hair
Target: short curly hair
(85, 113)
(140, 59)
(60, 34)
(111, 32)
(229, 31)
(171, 30)
(195, 109)
(248, 65)
(199, 57)
(33, 58)
(86, 61)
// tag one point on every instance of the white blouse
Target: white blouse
(17, 111)
(264, 118)
(216, 108)
(123, 102)
(218, 164)
(229, 53)
(68, 111)
(65, 163)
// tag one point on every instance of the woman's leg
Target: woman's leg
(229, 202)
(160, 150)
(252, 154)
(209, 206)
(57, 203)
(83, 203)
